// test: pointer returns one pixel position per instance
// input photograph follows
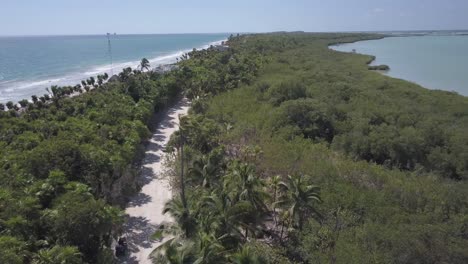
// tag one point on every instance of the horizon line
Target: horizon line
(118, 34)
(233, 32)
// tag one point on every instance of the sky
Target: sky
(70, 17)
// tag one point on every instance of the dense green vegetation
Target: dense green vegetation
(65, 160)
(317, 160)
(292, 153)
(68, 161)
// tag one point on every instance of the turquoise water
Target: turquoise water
(435, 62)
(30, 64)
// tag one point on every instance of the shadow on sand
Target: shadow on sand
(139, 200)
(139, 230)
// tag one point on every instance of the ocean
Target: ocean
(434, 62)
(29, 64)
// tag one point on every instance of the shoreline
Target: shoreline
(37, 86)
(387, 73)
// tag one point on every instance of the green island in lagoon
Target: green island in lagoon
(262, 148)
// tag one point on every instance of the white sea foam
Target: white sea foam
(37, 83)
(17, 90)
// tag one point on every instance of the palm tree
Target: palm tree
(275, 183)
(175, 252)
(299, 199)
(125, 74)
(58, 254)
(34, 98)
(209, 250)
(243, 182)
(179, 247)
(105, 76)
(100, 80)
(77, 88)
(182, 216)
(55, 90)
(285, 219)
(23, 103)
(2, 107)
(247, 256)
(10, 105)
(203, 249)
(91, 81)
(68, 90)
(83, 83)
(178, 139)
(224, 217)
(144, 64)
(203, 171)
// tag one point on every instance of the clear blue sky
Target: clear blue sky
(38, 17)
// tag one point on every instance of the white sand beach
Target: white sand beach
(144, 211)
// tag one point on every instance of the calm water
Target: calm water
(30, 64)
(435, 62)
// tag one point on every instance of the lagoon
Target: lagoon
(435, 62)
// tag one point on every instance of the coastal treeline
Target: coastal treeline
(70, 157)
(316, 160)
(65, 161)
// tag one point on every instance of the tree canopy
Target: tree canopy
(292, 153)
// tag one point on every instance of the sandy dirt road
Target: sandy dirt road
(144, 211)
